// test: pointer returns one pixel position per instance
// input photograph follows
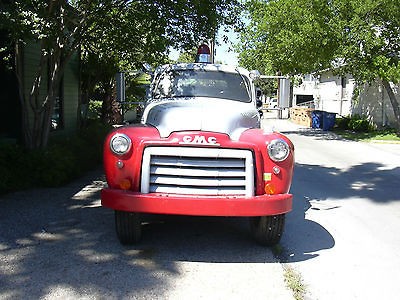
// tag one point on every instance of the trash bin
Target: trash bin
(317, 119)
(328, 120)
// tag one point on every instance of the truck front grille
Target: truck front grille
(197, 171)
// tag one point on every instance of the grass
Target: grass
(293, 279)
(294, 282)
(383, 136)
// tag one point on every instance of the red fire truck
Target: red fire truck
(199, 151)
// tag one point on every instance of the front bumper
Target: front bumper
(194, 205)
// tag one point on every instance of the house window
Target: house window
(57, 118)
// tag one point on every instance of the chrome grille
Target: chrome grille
(198, 171)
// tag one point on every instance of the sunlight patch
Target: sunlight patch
(47, 236)
(92, 256)
(359, 185)
(89, 190)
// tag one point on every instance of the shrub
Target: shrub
(64, 159)
(342, 123)
(354, 123)
(12, 176)
(360, 124)
(94, 109)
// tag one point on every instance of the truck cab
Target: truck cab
(199, 151)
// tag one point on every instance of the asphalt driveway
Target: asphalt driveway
(342, 237)
(60, 244)
(343, 233)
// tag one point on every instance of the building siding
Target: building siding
(70, 84)
(71, 95)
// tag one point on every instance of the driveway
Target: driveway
(343, 233)
(342, 237)
(60, 244)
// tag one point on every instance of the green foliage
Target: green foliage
(294, 282)
(187, 56)
(357, 37)
(94, 109)
(301, 36)
(360, 124)
(110, 35)
(355, 123)
(288, 36)
(388, 135)
(268, 87)
(62, 161)
(342, 123)
(11, 158)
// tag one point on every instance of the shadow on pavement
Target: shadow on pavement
(326, 188)
(62, 239)
(61, 243)
(316, 133)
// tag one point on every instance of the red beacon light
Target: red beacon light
(203, 54)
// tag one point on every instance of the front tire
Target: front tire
(128, 226)
(267, 230)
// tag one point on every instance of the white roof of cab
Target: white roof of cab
(203, 66)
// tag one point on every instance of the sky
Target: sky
(224, 52)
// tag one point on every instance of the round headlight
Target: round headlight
(278, 150)
(120, 144)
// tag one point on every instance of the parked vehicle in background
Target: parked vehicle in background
(273, 103)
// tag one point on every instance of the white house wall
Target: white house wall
(330, 95)
(306, 88)
(374, 102)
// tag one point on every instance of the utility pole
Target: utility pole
(283, 92)
(212, 50)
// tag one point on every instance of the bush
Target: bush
(63, 160)
(94, 109)
(342, 123)
(354, 123)
(360, 124)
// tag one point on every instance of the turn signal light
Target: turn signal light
(125, 184)
(269, 189)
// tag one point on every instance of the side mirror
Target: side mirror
(147, 68)
(258, 93)
(259, 103)
(254, 74)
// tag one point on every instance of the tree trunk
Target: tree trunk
(394, 102)
(37, 109)
(111, 110)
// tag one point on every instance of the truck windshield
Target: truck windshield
(202, 83)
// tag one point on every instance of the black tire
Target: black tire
(267, 230)
(128, 226)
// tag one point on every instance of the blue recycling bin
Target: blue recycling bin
(328, 120)
(317, 119)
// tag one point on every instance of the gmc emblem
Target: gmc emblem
(199, 140)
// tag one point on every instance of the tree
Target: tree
(187, 56)
(59, 28)
(120, 33)
(349, 36)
